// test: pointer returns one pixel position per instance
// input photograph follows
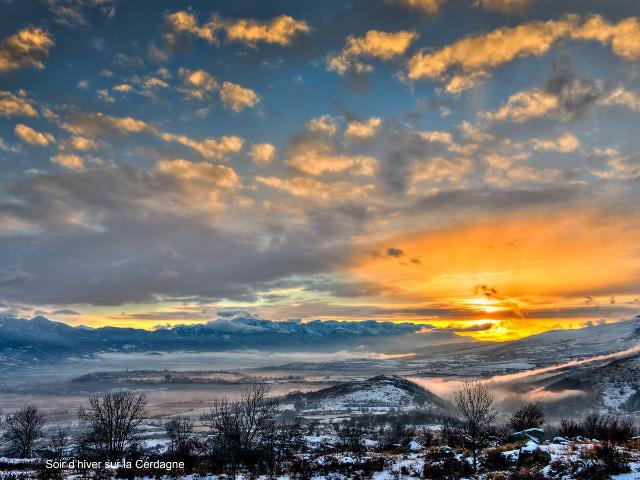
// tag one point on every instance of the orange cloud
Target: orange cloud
(26, 48)
(462, 63)
(536, 260)
(281, 30)
(374, 44)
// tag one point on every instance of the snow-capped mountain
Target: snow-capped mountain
(23, 340)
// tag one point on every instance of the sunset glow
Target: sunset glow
(469, 169)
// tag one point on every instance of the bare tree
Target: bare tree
(475, 404)
(179, 431)
(113, 420)
(239, 429)
(23, 429)
(58, 443)
(183, 446)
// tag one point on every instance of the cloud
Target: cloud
(428, 6)
(201, 85)
(104, 95)
(320, 192)
(395, 252)
(212, 148)
(208, 174)
(68, 160)
(375, 44)
(563, 96)
(316, 157)
(621, 167)
(315, 152)
(432, 7)
(521, 174)
(435, 136)
(281, 30)
(462, 63)
(362, 130)
(73, 13)
(480, 327)
(622, 97)
(505, 6)
(128, 61)
(33, 137)
(93, 125)
(262, 153)
(148, 221)
(198, 83)
(123, 88)
(473, 133)
(439, 169)
(5, 147)
(324, 124)
(26, 48)
(522, 106)
(565, 143)
(13, 105)
(503, 161)
(237, 98)
(65, 311)
(183, 22)
(624, 37)
(82, 144)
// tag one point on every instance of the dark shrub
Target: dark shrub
(600, 462)
(569, 428)
(494, 460)
(527, 474)
(537, 458)
(616, 430)
(442, 464)
(528, 416)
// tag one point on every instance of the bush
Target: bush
(442, 464)
(600, 462)
(528, 416)
(569, 428)
(609, 428)
(537, 458)
(527, 474)
(617, 430)
(494, 460)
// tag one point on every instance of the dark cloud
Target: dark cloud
(497, 200)
(395, 252)
(75, 13)
(338, 288)
(482, 327)
(65, 311)
(109, 236)
(575, 95)
(402, 148)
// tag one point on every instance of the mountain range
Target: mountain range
(25, 340)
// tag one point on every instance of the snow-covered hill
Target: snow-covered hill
(377, 395)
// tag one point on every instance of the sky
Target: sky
(469, 165)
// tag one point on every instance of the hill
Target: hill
(379, 394)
